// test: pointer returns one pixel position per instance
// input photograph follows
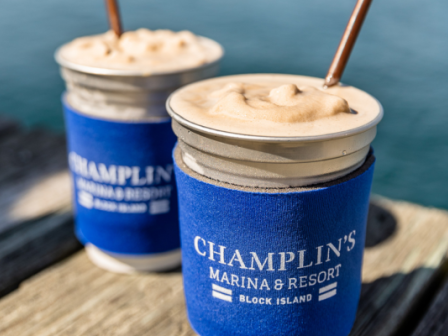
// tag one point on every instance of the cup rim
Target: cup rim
(273, 139)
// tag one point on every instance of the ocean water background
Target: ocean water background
(400, 58)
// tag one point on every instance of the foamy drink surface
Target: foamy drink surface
(274, 105)
(143, 50)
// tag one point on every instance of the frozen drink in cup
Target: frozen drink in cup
(274, 176)
(120, 141)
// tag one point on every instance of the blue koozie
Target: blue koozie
(273, 263)
(124, 190)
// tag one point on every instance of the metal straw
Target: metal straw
(347, 42)
(113, 12)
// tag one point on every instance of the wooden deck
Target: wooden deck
(49, 287)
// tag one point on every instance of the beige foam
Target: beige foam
(274, 105)
(143, 50)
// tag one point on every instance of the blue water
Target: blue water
(401, 58)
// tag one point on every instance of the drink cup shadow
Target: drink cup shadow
(381, 225)
(393, 304)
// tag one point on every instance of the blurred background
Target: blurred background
(400, 58)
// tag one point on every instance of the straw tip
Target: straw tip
(330, 81)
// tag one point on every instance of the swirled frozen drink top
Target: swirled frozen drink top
(274, 105)
(142, 50)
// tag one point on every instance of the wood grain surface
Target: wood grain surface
(401, 272)
(435, 322)
(36, 225)
(407, 245)
(34, 181)
(404, 262)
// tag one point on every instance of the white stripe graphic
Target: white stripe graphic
(222, 289)
(327, 288)
(222, 296)
(327, 295)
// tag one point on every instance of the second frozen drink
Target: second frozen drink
(120, 141)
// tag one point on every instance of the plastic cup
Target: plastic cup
(119, 143)
(272, 228)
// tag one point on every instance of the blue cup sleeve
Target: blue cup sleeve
(125, 194)
(280, 263)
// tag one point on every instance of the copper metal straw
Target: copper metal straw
(113, 12)
(347, 42)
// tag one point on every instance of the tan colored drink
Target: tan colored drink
(274, 105)
(273, 131)
(130, 78)
(143, 50)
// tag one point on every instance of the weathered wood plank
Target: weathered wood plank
(76, 298)
(34, 181)
(31, 247)
(103, 300)
(36, 228)
(399, 272)
(435, 322)
(22, 151)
